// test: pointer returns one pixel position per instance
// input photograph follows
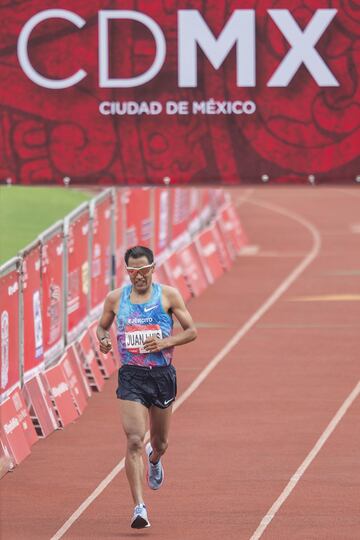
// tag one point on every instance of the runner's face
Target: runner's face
(141, 280)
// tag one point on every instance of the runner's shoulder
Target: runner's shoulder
(113, 297)
(170, 292)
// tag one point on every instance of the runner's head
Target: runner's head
(140, 266)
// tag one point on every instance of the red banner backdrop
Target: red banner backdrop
(204, 102)
(78, 273)
(52, 261)
(101, 252)
(9, 329)
(33, 326)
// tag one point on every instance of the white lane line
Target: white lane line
(288, 281)
(305, 464)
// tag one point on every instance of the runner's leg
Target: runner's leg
(134, 417)
(159, 430)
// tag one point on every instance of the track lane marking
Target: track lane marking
(306, 463)
(287, 282)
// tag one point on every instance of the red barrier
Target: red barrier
(88, 359)
(224, 253)
(40, 406)
(209, 254)
(78, 273)
(12, 432)
(74, 381)
(232, 229)
(139, 223)
(175, 271)
(79, 369)
(101, 252)
(180, 211)
(192, 269)
(24, 417)
(52, 268)
(161, 219)
(106, 361)
(161, 275)
(9, 327)
(33, 336)
(61, 394)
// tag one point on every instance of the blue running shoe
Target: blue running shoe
(140, 518)
(155, 471)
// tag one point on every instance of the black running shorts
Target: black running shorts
(148, 386)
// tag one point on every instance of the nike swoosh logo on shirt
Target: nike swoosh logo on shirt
(149, 308)
(168, 401)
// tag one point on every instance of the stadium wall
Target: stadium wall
(216, 92)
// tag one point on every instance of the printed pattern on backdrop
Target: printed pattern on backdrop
(211, 129)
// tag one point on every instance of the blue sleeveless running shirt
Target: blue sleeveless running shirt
(137, 322)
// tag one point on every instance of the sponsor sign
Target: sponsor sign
(162, 220)
(40, 405)
(192, 269)
(12, 431)
(61, 394)
(209, 253)
(101, 252)
(52, 258)
(9, 331)
(201, 92)
(89, 362)
(177, 276)
(32, 290)
(78, 274)
(139, 223)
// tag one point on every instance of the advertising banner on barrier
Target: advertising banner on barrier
(120, 226)
(161, 220)
(52, 269)
(210, 256)
(180, 211)
(78, 279)
(9, 327)
(12, 431)
(40, 405)
(61, 394)
(139, 222)
(101, 251)
(192, 269)
(32, 293)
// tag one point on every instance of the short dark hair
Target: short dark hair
(139, 251)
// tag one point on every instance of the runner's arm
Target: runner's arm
(105, 322)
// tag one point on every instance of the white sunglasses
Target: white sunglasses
(144, 270)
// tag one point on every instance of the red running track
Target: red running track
(252, 425)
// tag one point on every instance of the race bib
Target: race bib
(135, 337)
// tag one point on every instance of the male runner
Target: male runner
(147, 378)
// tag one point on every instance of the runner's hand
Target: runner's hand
(105, 345)
(154, 344)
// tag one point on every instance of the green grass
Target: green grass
(25, 212)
